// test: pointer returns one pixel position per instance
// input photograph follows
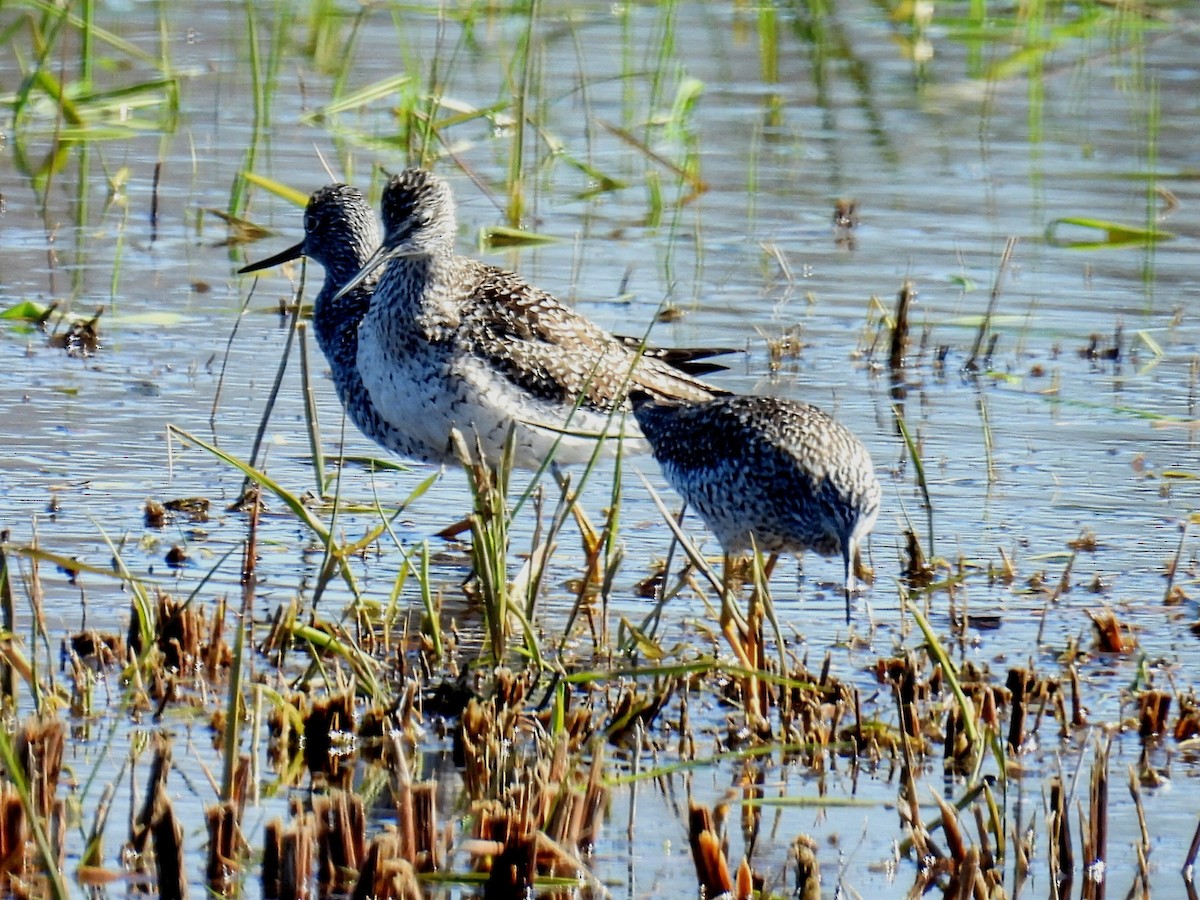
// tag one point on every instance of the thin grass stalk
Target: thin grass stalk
(972, 364)
(119, 44)
(541, 552)
(762, 577)
(16, 774)
(293, 325)
(216, 404)
(915, 455)
(208, 576)
(939, 654)
(431, 611)
(332, 551)
(1149, 250)
(663, 43)
(311, 420)
(34, 593)
(294, 503)
(694, 555)
(260, 120)
(516, 160)
(8, 617)
(86, 42)
(989, 450)
(233, 701)
(141, 600)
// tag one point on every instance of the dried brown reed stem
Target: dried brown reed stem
(712, 869)
(1019, 683)
(898, 349)
(1189, 861)
(40, 754)
(160, 767)
(1058, 824)
(226, 847)
(227, 844)
(514, 870)
(14, 833)
(808, 870)
(1112, 635)
(289, 857)
(1188, 723)
(8, 620)
(341, 839)
(1078, 719)
(1143, 846)
(167, 841)
(272, 859)
(1094, 827)
(1154, 708)
(972, 364)
(328, 735)
(386, 874)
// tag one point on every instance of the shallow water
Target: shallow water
(944, 164)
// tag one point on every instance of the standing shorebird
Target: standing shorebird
(766, 473)
(340, 233)
(452, 343)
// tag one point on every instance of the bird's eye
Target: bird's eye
(310, 222)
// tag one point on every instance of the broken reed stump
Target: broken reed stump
(1058, 823)
(227, 846)
(417, 836)
(514, 871)
(329, 739)
(386, 874)
(712, 869)
(808, 870)
(224, 848)
(1020, 681)
(296, 854)
(899, 343)
(342, 839)
(1153, 709)
(1095, 827)
(167, 841)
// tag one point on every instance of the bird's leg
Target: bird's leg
(744, 635)
(730, 614)
(848, 564)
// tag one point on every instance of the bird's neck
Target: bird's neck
(335, 322)
(422, 284)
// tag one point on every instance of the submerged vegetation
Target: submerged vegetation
(272, 676)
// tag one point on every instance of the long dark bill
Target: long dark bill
(288, 254)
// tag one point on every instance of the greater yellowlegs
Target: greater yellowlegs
(452, 343)
(766, 473)
(340, 233)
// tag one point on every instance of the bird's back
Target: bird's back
(459, 343)
(781, 472)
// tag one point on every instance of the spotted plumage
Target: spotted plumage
(766, 472)
(452, 343)
(340, 233)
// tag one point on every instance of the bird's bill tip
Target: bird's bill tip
(286, 256)
(374, 261)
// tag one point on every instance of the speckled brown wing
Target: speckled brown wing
(554, 353)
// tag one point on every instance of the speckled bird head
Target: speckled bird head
(418, 214)
(337, 217)
(418, 220)
(339, 233)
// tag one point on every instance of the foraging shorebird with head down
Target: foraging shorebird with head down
(766, 473)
